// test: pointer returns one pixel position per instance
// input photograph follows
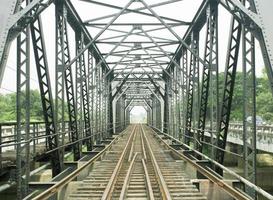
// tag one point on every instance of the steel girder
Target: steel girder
(82, 91)
(230, 73)
(249, 128)
(13, 21)
(104, 105)
(171, 103)
(46, 94)
(249, 94)
(90, 88)
(176, 94)
(211, 58)
(174, 100)
(79, 84)
(5, 41)
(257, 20)
(184, 62)
(180, 90)
(64, 83)
(193, 73)
(97, 103)
(156, 119)
(158, 114)
(59, 74)
(76, 24)
(98, 86)
(23, 111)
(166, 107)
(120, 111)
(110, 104)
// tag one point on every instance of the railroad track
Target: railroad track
(136, 167)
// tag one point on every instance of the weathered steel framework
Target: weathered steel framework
(174, 77)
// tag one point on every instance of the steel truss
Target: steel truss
(23, 111)
(192, 80)
(46, 94)
(249, 93)
(82, 92)
(178, 89)
(230, 73)
(211, 58)
(64, 80)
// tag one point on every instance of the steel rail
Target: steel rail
(65, 181)
(148, 181)
(126, 180)
(143, 147)
(110, 186)
(163, 186)
(132, 149)
(147, 178)
(214, 178)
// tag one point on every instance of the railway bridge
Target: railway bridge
(95, 63)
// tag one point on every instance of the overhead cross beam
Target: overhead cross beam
(137, 10)
(133, 24)
(120, 86)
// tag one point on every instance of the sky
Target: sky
(183, 10)
(138, 115)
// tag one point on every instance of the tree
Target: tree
(8, 107)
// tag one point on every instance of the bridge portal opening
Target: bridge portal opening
(138, 115)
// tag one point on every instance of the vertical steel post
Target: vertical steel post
(46, 94)
(83, 98)
(110, 104)
(90, 88)
(79, 80)
(249, 95)
(59, 76)
(193, 72)
(23, 112)
(177, 108)
(184, 91)
(166, 125)
(230, 73)
(65, 74)
(211, 59)
(98, 92)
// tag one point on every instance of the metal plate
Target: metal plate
(264, 10)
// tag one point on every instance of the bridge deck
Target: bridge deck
(136, 167)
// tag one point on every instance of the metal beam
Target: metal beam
(134, 24)
(135, 10)
(46, 94)
(230, 73)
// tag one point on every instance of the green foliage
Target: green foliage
(8, 107)
(264, 98)
(237, 101)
